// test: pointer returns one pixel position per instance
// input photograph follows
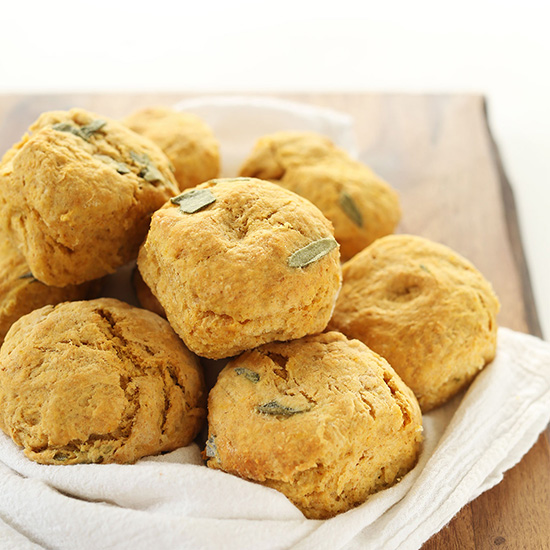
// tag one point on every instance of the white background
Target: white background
(499, 48)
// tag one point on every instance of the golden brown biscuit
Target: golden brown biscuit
(253, 263)
(77, 194)
(276, 153)
(424, 308)
(360, 205)
(322, 419)
(186, 140)
(21, 293)
(144, 295)
(98, 381)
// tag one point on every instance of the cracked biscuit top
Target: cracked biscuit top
(77, 193)
(322, 419)
(186, 140)
(237, 263)
(423, 307)
(98, 381)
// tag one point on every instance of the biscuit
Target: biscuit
(425, 309)
(76, 195)
(276, 153)
(323, 419)
(361, 206)
(21, 293)
(98, 381)
(144, 295)
(253, 263)
(186, 140)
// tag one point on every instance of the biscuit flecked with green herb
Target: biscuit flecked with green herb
(237, 263)
(186, 140)
(322, 419)
(423, 307)
(77, 193)
(98, 381)
(361, 206)
(21, 293)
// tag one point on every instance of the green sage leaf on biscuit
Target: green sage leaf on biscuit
(85, 132)
(66, 127)
(142, 160)
(276, 409)
(151, 173)
(312, 252)
(120, 167)
(349, 206)
(89, 129)
(248, 374)
(194, 200)
(148, 171)
(211, 450)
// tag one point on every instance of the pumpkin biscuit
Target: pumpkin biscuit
(76, 195)
(144, 295)
(360, 205)
(186, 140)
(274, 154)
(323, 419)
(21, 293)
(98, 381)
(424, 308)
(237, 263)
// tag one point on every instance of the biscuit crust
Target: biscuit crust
(322, 419)
(21, 293)
(96, 382)
(222, 274)
(77, 193)
(424, 308)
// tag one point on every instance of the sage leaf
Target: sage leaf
(211, 450)
(89, 129)
(85, 132)
(312, 252)
(276, 409)
(66, 127)
(120, 167)
(350, 208)
(148, 171)
(248, 374)
(151, 174)
(142, 160)
(194, 200)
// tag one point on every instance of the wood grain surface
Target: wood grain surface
(438, 152)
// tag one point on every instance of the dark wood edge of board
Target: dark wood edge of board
(514, 234)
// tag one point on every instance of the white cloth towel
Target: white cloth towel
(174, 502)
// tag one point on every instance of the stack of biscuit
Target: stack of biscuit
(327, 367)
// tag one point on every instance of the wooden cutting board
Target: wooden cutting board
(437, 151)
